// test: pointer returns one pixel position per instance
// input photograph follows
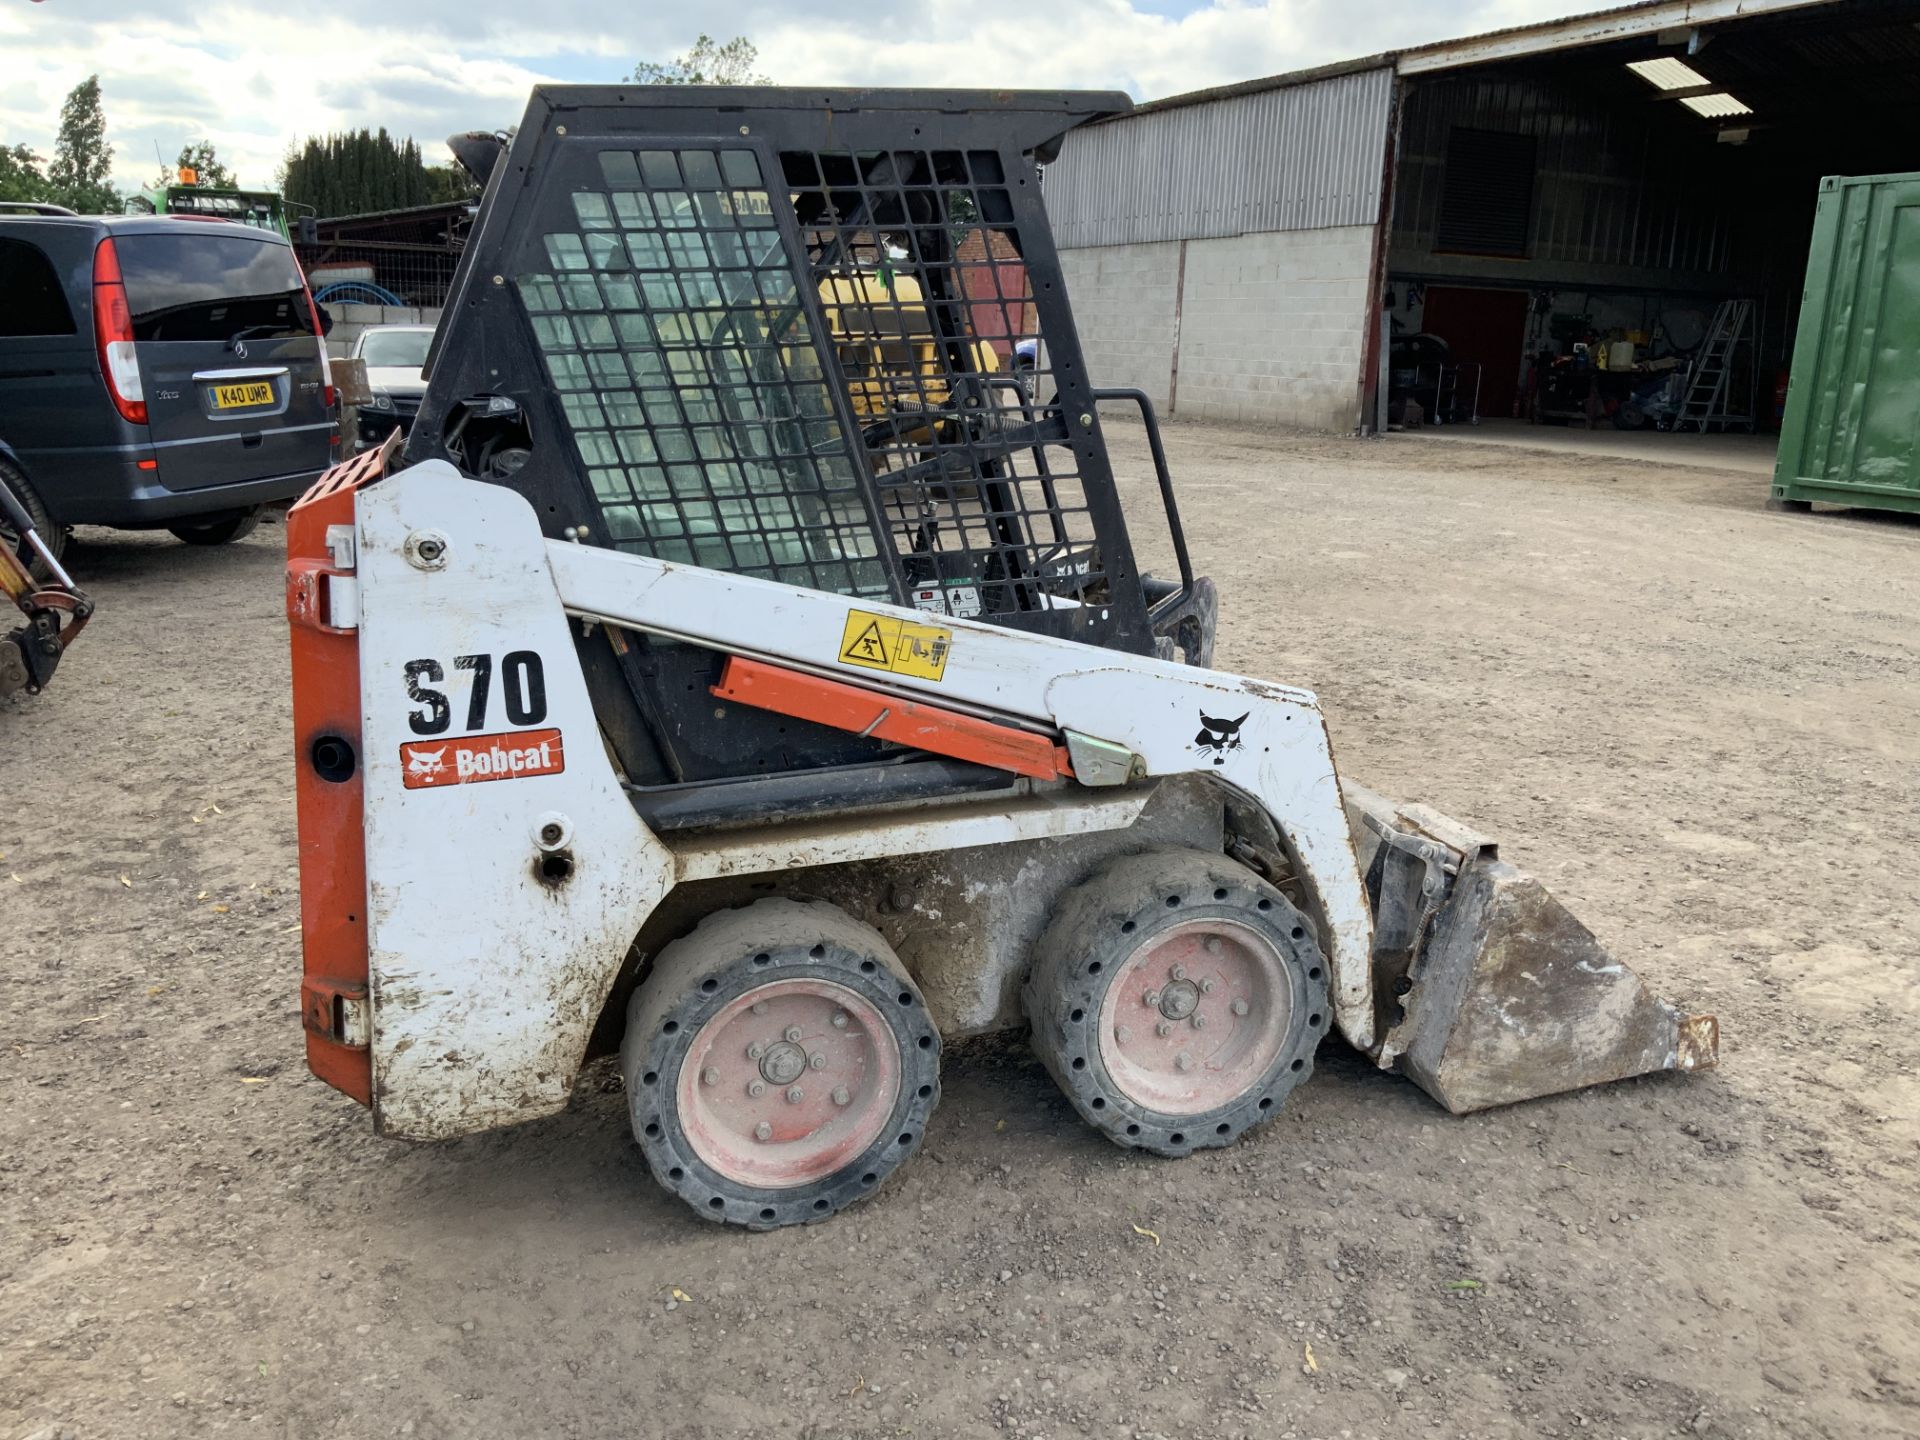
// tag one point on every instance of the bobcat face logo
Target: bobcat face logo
(1217, 737)
(427, 762)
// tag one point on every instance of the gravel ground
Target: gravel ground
(1695, 719)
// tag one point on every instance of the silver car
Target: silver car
(393, 355)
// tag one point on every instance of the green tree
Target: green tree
(20, 175)
(82, 159)
(707, 63)
(198, 156)
(359, 171)
(449, 182)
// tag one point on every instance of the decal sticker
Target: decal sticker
(955, 597)
(1217, 737)
(523, 687)
(880, 642)
(467, 759)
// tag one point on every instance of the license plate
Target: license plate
(239, 397)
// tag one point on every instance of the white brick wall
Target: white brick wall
(1272, 328)
(1122, 298)
(350, 320)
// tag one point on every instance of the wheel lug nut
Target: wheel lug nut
(759, 1007)
(756, 1050)
(1213, 944)
(1207, 986)
(839, 1019)
(757, 1089)
(1151, 999)
(796, 1095)
(841, 1095)
(1240, 1007)
(1122, 1033)
(763, 1131)
(710, 1076)
(1199, 1022)
(1178, 972)
(817, 1061)
(793, 1034)
(1183, 1061)
(1163, 1028)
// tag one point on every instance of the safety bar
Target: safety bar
(1159, 450)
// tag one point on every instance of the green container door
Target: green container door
(1851, 434)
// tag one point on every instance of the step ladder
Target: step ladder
(1709, 394)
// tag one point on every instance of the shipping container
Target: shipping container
(1851, 435)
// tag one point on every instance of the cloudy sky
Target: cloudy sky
(254, 78)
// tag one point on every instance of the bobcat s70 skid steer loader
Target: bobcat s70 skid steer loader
(745, 671)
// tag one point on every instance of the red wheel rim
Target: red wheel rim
(1196, 1017)
(788, 1083)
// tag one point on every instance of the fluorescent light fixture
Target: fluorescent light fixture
(1715, 105)
(1668, 73)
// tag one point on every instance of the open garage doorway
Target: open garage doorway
(1612, 231)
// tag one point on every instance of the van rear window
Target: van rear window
(217, 286)
(31, 301)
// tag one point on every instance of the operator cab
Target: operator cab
(775, 332)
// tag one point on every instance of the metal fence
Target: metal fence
(410, 274)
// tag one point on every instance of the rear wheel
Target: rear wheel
(1177, 998)
(44, 524)
(219, 529)
(779, 1064)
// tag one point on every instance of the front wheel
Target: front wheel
(1177, 998)
(779, 1063)
(220, 529)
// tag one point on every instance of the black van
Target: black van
(158, 372)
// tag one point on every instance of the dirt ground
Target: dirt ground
(1695, 719)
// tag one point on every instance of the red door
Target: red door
(1486, 327)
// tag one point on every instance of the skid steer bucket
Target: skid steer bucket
(1487, 990)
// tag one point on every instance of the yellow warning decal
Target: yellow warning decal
(901, 647)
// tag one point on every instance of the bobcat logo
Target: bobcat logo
(1217, 737)
(427, 762)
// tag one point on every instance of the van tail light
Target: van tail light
(113, 336)
(326, 361)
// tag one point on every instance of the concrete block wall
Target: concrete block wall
(1271, 326)
(350, 320)
(1122, 298)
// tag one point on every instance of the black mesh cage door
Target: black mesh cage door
(818, 338)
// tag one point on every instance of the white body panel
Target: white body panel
(485, 982)
(482, 1010)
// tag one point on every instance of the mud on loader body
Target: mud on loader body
(761, 684)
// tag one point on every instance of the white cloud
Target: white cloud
(255, 79)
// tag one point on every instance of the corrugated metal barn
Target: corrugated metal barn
(1598, 221)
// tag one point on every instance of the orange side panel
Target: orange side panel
(333, 858)
(889, 717)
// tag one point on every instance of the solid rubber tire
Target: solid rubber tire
(739, 949)
(1082, 953)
